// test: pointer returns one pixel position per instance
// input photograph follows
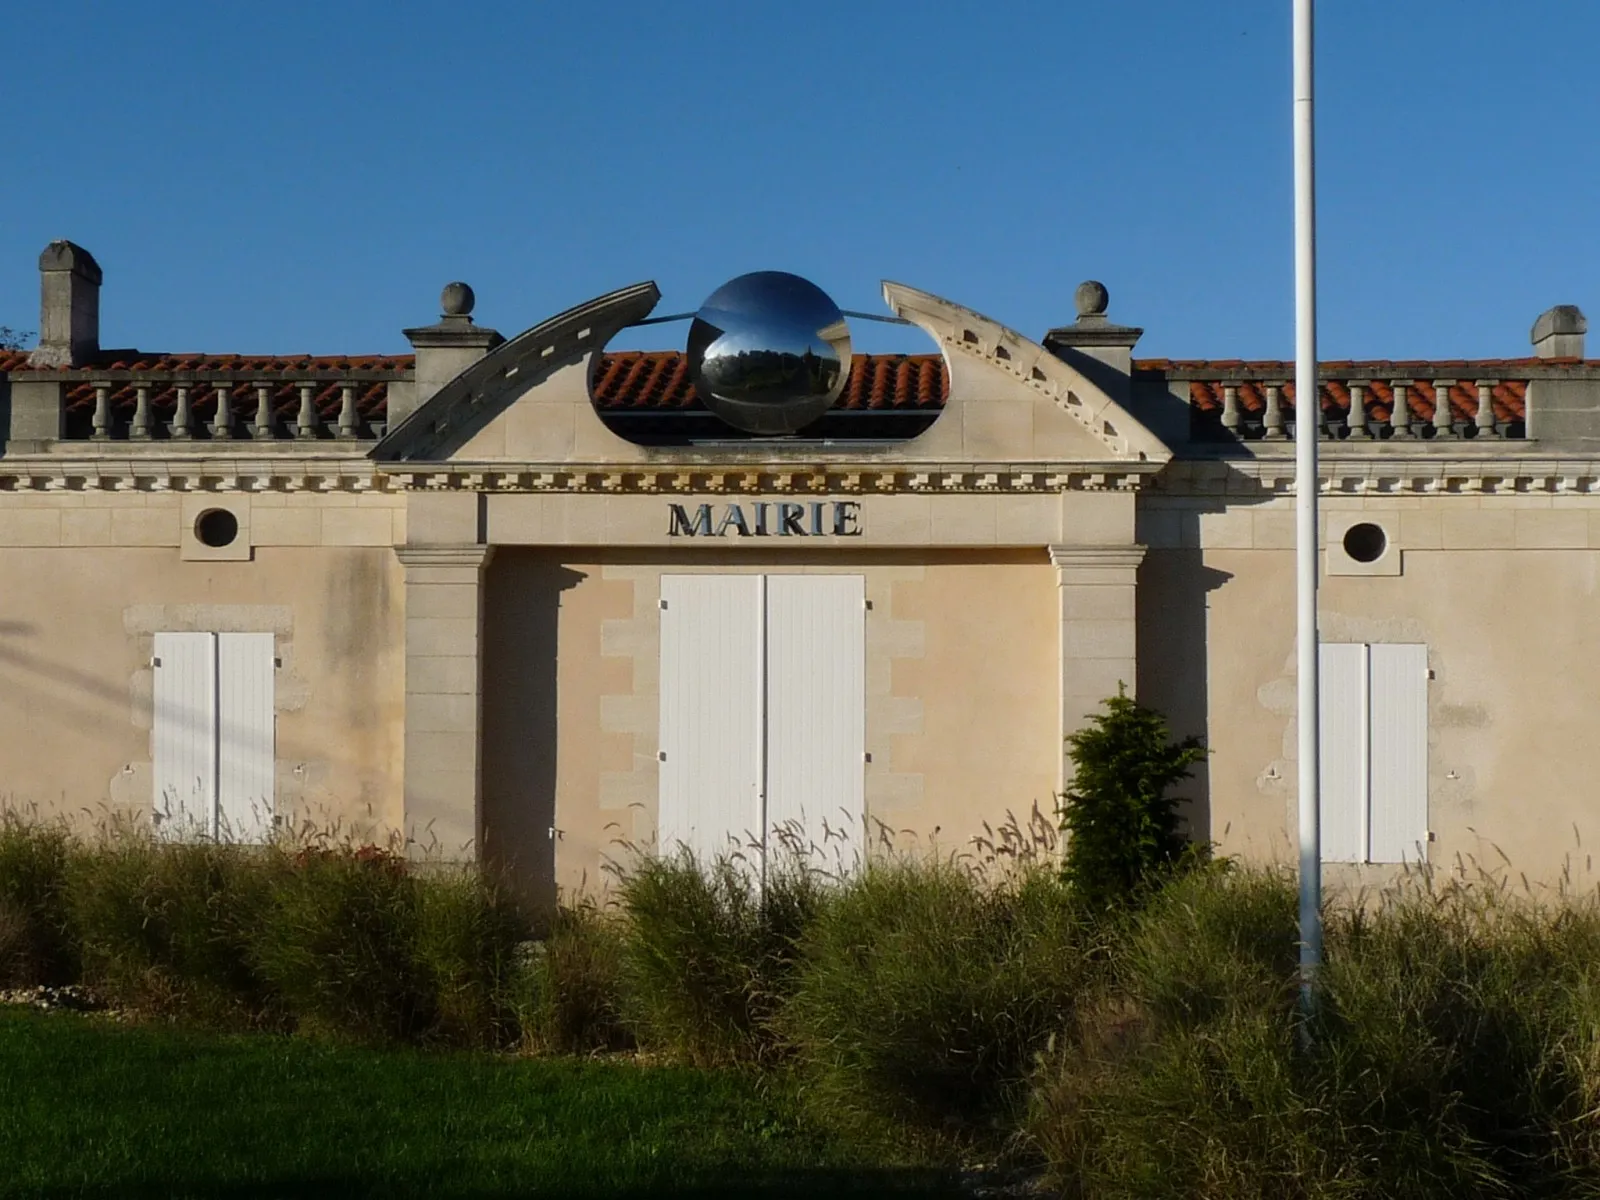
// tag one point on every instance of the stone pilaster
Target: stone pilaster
(444, 697)
(1099, 644)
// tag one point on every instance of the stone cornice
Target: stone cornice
(1283, 372)
(350, 473)
(1096, 556)
(186, 473)
(1243, 477)
(474, 556)
(1360, 474)
(754, 479)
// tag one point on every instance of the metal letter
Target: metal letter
(846, 518)
(816, 518)
(679, 524)
(734, 517)
(793, 518)
(761, 519)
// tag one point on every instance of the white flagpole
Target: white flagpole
(1307, 421)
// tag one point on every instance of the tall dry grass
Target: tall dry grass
(1453, 1053)
(1156, 1051)
(924, 990)
(36, 944)
(709, 951)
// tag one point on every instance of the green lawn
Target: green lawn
(88, 1108)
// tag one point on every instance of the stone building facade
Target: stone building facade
(520, 598)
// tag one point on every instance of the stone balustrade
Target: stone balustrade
(173, 408)
(1257, 406)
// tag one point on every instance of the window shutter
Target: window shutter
(711, 700)
(1399, 753)
(816, 721)
(1344, 750)
(184, 742)
(245, 801)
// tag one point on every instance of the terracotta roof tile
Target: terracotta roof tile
(284, 372)
(658, 381)
(652, 380)
(1509, 398)
(1377, 376)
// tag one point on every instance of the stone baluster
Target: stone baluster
(262, 429)
(102, 412)
(141, 413)
(1483, 423)
(222, 426)
(1357, 420)
(1273, 419)
(347, 411)
(183, 417)
(1444, 423)
(1400, 414)
(306, 422)
(1230, 408)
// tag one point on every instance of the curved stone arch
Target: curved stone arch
(461, 408)
(970, 335)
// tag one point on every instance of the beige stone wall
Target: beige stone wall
(961, 704)
(87, 578)
(1504, 591)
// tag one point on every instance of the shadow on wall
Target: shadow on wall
(1174, 587)
(58, 692)
(522, 605)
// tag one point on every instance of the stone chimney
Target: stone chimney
(69, 307)
(1563, 403)
(1558, 333)
(1093, 337)
(444, 350)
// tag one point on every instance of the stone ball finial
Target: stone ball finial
(1092, 298)
(457, 299)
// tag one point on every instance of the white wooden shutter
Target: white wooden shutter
(816, 721)
(1399, 775)
(245, 671)
(184, 750)
(1343, 705)
(711, 698)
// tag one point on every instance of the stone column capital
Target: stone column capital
(1069, 557)
(475, 556)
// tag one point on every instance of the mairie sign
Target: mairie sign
(814, 518)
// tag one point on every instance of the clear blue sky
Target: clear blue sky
(286, 177)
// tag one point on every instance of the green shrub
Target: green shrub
(170, 928)
(924, 994)
(1122, 826)
(338, 941)
(35, 943)
(708, 953)
(571, 1000)
(467, 933)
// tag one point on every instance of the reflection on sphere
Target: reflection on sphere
(769, 352)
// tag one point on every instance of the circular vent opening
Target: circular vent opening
(1365, 542)
(216, 527)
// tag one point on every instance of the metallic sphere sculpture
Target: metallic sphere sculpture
(769, 352)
